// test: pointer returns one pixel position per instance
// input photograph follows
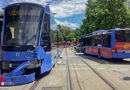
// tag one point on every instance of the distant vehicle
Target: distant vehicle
(78, 48)
(81, 46)
(27, 39)
(114, 43)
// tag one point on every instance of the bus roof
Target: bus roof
(121, 29)
(99, 32)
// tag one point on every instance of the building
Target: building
(66, 28)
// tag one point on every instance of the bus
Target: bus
(114, 43)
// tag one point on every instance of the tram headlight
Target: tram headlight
(34, 64)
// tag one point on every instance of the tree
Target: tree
(105, 14)
(66, 34)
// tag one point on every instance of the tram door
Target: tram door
(45, 38)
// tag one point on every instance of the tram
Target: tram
(29, 31)
(1, 23)
(113, 43)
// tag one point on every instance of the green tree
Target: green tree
(67, 35)
(105, 14)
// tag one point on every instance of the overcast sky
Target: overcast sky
(68, 12)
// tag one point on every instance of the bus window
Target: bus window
(96, 40)
(106, 40)
(89, 41)
(122, 36)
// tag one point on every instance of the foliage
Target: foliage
(105, 14)
(1, 15)
(68, 35)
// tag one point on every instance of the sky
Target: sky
(67, 12)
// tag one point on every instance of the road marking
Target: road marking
(78, 64)
(4, 87)
(124, 69)
(94, 64)
(113, 69)
(101, 68)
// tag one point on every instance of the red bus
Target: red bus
(114, 43)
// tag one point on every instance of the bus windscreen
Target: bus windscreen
(122, 36)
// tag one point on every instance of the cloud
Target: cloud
(31, 1)
(68, 8)
(62, 8)
(68, 24)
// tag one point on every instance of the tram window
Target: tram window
(45, 38)
(0, 30)
(45, 27)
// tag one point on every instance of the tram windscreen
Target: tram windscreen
(22, 25)
(122, 36)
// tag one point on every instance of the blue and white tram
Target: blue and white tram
(27, 38)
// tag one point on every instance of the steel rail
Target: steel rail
(105, 80)
(33, 87)
(69, 87)
(97, 73)
(76, 77)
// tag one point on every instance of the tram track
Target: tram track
(69, 86)
(69, 76)
(33, 87)
(98, 74)
(36, 82)
(76, 76)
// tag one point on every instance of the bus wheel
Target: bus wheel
(99, 55)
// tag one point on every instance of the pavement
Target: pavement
(82, 77)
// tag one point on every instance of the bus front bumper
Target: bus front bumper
(121, 55)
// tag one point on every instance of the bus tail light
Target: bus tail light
(114, 50)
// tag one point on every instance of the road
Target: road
(82, 77)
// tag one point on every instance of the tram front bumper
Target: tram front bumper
(16, 76)
(16, 80)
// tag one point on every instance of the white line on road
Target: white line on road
(124, 69)
(101, 68)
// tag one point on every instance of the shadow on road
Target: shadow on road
(103, 60)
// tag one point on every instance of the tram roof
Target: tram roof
(25, 3)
